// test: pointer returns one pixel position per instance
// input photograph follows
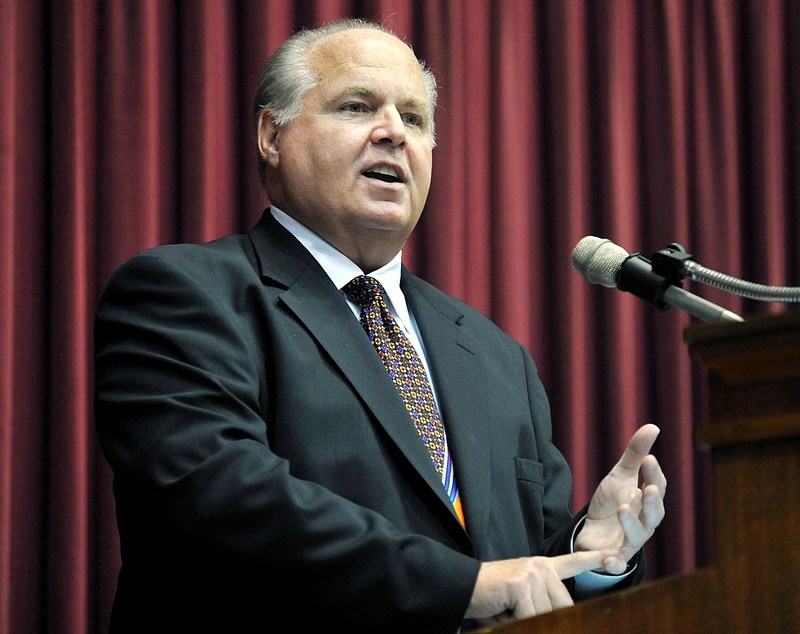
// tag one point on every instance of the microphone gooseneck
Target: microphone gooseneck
(751, 290)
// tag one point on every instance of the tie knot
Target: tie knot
(363, 290)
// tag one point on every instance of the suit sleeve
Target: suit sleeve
(179, 418)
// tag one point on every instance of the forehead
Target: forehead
(367, 55)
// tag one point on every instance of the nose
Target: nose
(389, 127)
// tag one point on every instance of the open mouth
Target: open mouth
(383, 173)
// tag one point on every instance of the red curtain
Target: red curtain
(127, 123)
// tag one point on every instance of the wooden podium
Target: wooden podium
(753, 434)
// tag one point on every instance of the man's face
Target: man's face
(355, 165)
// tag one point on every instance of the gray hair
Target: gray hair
(286, 77)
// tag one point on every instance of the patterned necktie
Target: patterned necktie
(408, 374)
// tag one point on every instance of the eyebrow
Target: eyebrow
(368, 93)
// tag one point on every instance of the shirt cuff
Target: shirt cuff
(590, 583)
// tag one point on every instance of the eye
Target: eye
(412, 119)
(354, 106)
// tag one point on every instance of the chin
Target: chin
(385, 215)
(385, 228)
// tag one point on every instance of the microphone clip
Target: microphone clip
(649, 279)
(670, 262)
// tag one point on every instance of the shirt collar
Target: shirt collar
(342, 269)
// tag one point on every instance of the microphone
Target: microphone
(602, 262)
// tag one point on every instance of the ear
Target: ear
(268, 133)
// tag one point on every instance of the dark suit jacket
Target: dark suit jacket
(265, 468)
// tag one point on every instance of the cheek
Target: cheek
(320, 161)
(422, 175)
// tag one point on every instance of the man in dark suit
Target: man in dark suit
(266, 466)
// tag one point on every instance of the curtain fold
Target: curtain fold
(23, 287)
(72, 163)
(128, 123)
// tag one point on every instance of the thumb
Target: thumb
(639, 446)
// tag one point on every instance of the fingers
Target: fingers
(639, 447)
(545, 591)
(653, 511)
(653, 490)
(636, 533)
(567, 566)
(638, 528)
(647, 503)
(529, 585)
(552, 596)
(653, 475)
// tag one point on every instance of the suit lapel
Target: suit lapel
(461, 389)
(321, 307)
